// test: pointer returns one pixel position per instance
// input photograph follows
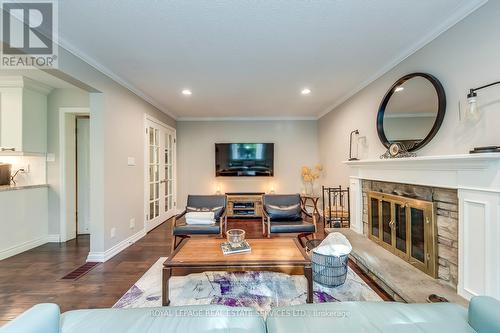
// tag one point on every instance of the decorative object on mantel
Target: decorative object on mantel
(487, 149)
(473, 112)
(309, 176)
(397, 150)
(411, 112)
(350, 146)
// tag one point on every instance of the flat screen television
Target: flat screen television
(244, 159)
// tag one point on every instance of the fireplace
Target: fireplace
(417, 223)
(405, 227)
(465, 192)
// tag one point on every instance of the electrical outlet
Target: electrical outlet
(132, 223)
(113, 232)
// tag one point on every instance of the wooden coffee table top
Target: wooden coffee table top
(207, 252)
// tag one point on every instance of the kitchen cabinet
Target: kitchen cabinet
(23, 115)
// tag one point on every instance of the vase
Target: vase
(309, 187)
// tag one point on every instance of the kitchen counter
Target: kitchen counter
(20, 187)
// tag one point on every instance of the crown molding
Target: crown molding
(24, 82)
(284, 118)
(458, 16)
(113, 76)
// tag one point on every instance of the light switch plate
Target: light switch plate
(131, 161)
(51, 157)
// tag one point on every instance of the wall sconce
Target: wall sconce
(473, 113)
(350, 145)
(218, 189)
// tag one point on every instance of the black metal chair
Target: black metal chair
(216, 203)
(336, 207)
(283, 213)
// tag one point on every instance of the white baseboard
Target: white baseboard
(108, 254)
(22, 247)
(55, 238)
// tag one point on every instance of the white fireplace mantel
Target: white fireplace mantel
(467, 171)
(476, 177)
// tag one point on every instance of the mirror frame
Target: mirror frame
(439, 118)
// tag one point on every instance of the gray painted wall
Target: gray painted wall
(117, 130)
(295, 146)
(464, 57)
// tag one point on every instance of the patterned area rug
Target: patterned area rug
(260, 290)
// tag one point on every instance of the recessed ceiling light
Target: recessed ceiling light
(305, 91)
(187, 92)
(398, 89)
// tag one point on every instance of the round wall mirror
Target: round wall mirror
(412, 111)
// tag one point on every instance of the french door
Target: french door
(160, 173)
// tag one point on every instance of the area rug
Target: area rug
(260, 290)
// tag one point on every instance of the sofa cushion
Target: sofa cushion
(182, 319)
(182, 228)
(284, 212)
(41, 318)
(292, 227)
(369, 317)
(484, 314)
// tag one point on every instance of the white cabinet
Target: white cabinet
(23, 115)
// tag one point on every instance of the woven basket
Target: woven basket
(330, 271)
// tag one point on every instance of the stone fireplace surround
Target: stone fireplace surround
(470, 259)
(446, 208)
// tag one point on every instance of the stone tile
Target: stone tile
(444, 273)
(454, 274)
(447, 206)
(445, 241)
(445, 195)
(442, 212)
(448, 253)
(447, 227)
(442, 262)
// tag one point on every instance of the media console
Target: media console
(242, 204)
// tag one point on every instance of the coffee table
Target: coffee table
(284, 255)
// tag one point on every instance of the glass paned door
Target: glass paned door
(160, 174)
(417, 221)
(154, 173)
(169, 171)
(386, 222)
(400, 227)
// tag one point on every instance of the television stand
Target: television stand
(244, 205)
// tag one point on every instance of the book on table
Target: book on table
(228, 248)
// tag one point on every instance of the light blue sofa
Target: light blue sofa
(483, 316)
(46, 318)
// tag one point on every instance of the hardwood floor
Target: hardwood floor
(35, 276)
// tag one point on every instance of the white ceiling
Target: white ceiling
(251, 58)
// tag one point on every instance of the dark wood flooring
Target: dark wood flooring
(35, 276)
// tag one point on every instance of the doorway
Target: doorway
(74, 137)
(82, 175)
(160, 177)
